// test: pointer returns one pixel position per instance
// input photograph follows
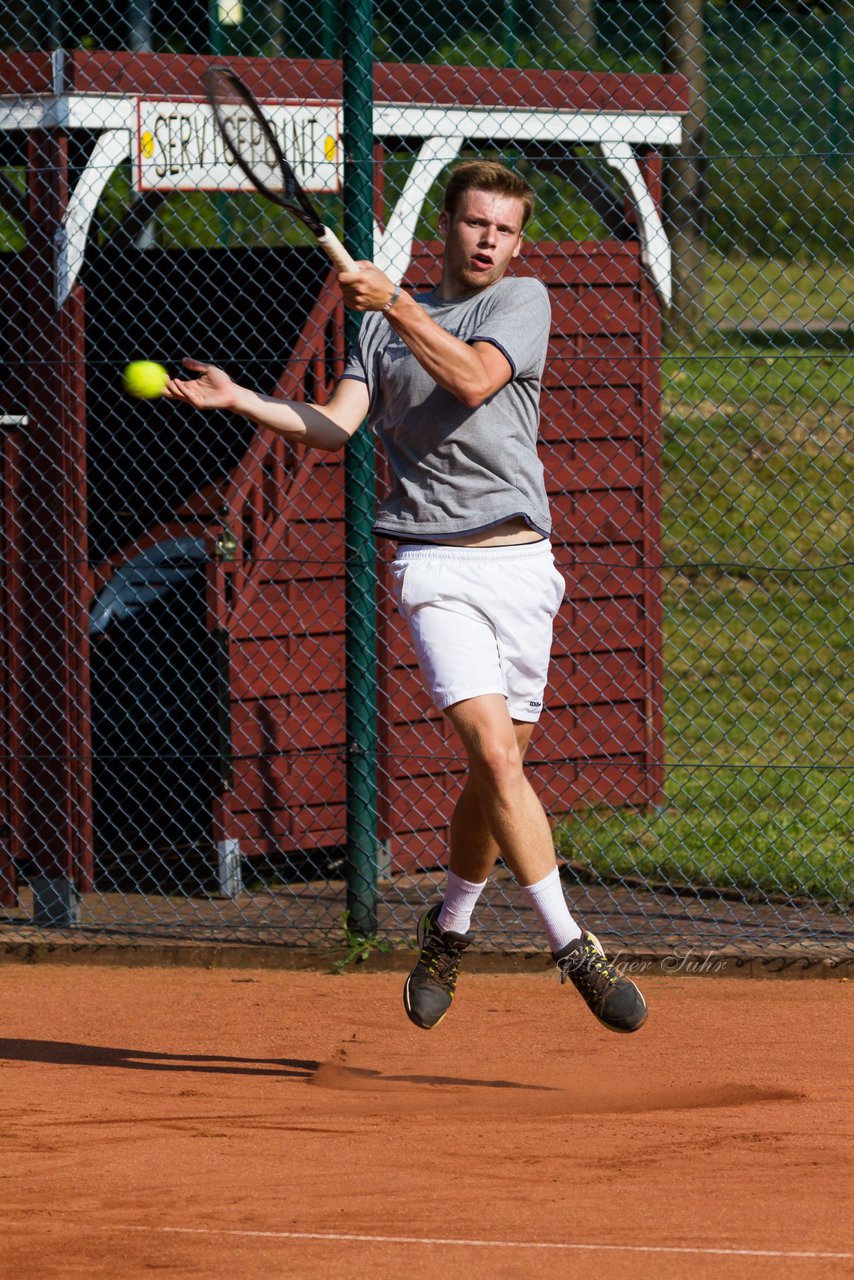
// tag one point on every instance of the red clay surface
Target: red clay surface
(209, 1123)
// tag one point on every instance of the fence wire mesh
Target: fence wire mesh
(179, 753)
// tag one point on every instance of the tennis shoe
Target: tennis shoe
(429, 989)
(613, 999)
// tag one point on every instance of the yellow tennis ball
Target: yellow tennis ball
(145, 379)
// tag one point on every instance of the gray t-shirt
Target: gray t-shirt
(456, 470)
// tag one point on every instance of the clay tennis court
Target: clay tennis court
(252, 1123)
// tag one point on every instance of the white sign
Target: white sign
(179, 148)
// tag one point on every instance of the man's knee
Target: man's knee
(496, 764)
(494, 744)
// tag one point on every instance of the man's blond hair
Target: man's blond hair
(487, 175)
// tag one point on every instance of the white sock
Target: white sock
(460, 898)
(546, 897)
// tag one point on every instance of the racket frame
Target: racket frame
(292, 197)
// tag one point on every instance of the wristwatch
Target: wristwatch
(392, 300)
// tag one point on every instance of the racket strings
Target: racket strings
(252, 144)
(249, 138)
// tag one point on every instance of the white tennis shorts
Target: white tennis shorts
(481, 620)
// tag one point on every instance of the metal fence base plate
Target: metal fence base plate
(55, 901)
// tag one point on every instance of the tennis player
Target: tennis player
(450, 381)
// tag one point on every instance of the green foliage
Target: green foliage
(759, 205)
(358, 949)
(550, 52)
(12, 238)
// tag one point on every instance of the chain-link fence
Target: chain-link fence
(213, 723)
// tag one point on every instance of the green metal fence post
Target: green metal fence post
(360, 558)
(218, 41)
(834, 85)
(327, 28)
(511, 32)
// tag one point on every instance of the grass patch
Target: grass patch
(757, 458)
(758, 730)
(760, 831)
(799, 290)
(758, 635)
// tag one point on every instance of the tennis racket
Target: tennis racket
(255, 149)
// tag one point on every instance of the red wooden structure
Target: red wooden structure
(117, 72)
(275, 592)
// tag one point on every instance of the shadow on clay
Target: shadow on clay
(64, 1053)
(588, 1094)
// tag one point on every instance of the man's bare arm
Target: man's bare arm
(470, 371)
(326, 427)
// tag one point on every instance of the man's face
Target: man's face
(481, 239)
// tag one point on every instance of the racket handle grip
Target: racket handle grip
(334, 249)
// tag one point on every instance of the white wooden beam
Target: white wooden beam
(655, 247)
(110, 149)
(393, 247)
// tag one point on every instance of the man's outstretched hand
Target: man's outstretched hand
(213, 389)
